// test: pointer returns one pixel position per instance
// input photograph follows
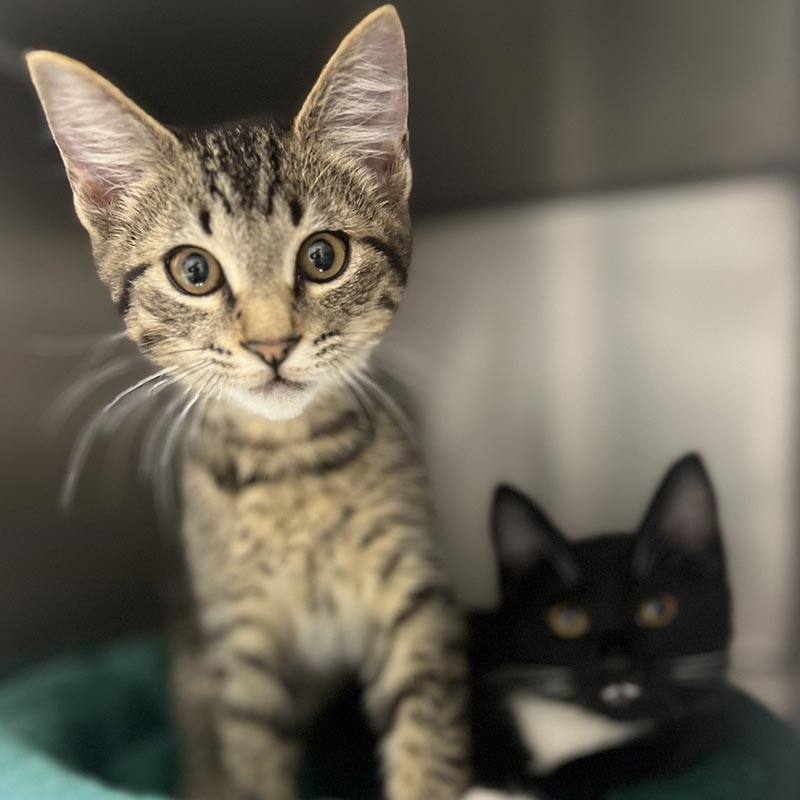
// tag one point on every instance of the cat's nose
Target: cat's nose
(272, 351)
(616, 664)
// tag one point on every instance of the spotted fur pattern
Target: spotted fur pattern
(305, 516)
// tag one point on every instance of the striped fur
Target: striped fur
(305, 516)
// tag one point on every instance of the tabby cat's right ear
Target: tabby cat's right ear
(111, 149)
(524, 539)
(359, 106)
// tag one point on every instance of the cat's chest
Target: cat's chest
(555, 732)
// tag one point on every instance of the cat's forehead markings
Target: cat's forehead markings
(242, 166)
(296, 210)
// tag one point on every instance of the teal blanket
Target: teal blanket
(94, 726)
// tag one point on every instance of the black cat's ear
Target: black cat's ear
(524, 538)
(682, 518)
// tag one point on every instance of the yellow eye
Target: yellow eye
(568, 621)
(658, 611)
(194, 271)
(323, 256)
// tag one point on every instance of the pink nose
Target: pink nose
(273, 352)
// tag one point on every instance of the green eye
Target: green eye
(322, 256)
(658, 611)
(194, 271)
(568, 620)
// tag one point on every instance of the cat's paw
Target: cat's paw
(492, 794)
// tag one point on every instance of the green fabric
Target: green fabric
(93, 726)
(72, 727)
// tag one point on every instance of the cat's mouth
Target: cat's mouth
(279, 385)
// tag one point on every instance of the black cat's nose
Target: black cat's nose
(616, 664)
(615, 657)
(273, 351)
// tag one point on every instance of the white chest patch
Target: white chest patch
(556, 732)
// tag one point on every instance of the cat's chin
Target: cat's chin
(282, 402)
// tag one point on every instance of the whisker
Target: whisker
(362, 398)
(713, 656)
(88, 435)
(154, 437)
(65, 403)
(49, 345)
(166, 495)
(392, 408)
(702, 669)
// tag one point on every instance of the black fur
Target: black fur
(128, 280)
(677, 549)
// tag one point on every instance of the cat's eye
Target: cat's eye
(658, 611)
(568, 621)
(323, 256)
(194, 270)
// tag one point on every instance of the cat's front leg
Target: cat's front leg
(258, 725)
(192, 694)
(416, 693)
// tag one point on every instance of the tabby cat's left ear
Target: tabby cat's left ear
(682, 518)
(359, 105)
(110, 147)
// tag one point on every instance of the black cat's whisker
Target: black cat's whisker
(710, 655)
(711, 658)
(697, 680)
(551, 681)
(694, 664)
(700, 670)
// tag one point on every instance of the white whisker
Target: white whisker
(389, 404)
(88, 435)
(47, 345)
(164, 477)
(78, 391)
(155, 435)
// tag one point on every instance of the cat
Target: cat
(258, 266)
(605, 662)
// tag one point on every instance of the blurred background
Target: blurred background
(605, 276)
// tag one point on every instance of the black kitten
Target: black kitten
(605, 663)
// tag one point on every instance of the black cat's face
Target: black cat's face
(631, 625)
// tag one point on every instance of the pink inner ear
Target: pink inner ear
(689, 521)
(108, 144)
(360, 103)
(92, 189)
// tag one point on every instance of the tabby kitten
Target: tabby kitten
(258, 267)
(605, 663)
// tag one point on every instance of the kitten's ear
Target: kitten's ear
(110, 147)
(682, 518)
(525, 538)
(359, 105)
